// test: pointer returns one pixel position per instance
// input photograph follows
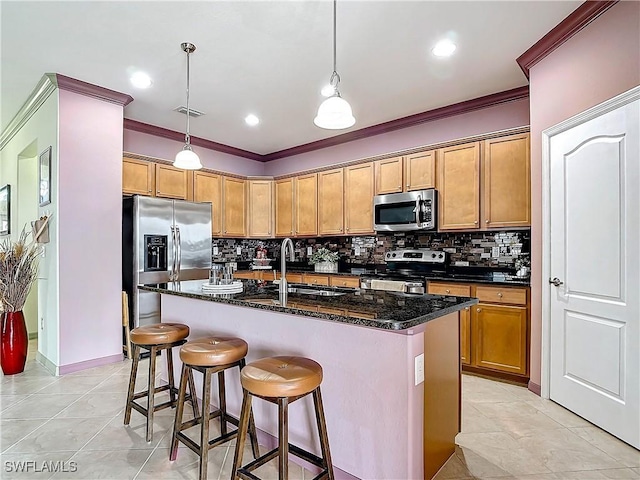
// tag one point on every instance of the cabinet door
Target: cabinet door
(260, 208)
(465, 336)
(459, 187)
(388, 175)
(420, 171)
(306, 196)
(344, 281)
(500, 337)
(331, 202)
(173, 182)
(506, 183)
(207, 187)
(358, 199)
(137, 177)
(234, 201)
(284, 207)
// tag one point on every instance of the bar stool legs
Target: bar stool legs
(151, 407)
(206, 444)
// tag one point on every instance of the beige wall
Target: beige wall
(600, 62)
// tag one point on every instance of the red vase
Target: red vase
(14, 343)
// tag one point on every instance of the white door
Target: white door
(594, 270)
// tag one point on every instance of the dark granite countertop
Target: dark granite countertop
(370, 308)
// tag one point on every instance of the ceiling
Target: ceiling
(271, 58)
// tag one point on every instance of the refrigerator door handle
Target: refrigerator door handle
(178, 252)
(172, 268)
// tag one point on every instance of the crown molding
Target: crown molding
(404, 122)
(91, 90)
(572, 24)
(141, 127)
(43, 90)
(428, 116)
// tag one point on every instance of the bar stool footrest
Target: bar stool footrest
(245, 472)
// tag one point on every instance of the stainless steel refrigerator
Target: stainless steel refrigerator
(163, 241)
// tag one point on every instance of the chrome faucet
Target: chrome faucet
(283, 268)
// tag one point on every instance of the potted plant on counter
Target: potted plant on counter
(18, 272)
(324, 260)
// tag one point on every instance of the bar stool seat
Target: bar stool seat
(156, 338)
(209, 355)
(282, 380)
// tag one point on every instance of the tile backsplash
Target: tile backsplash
(487, 249)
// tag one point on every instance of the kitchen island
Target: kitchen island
(381, 424)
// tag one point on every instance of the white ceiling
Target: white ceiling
(272, 58)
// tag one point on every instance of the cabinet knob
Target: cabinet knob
(407, 185)
(466, 308)
(149, 191)
(500, 294)
(476, 222)
(447, 291)
(478, 310)
(400, 186)
(486, 221)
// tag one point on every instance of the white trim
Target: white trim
(605, 107)
(46, 86)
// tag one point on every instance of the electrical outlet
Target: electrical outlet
(239, 250)
(356, 250)
(495, 252)
(215, 249)
(309, 251)
(419, 370)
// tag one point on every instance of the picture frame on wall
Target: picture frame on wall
(5, 210)
(44, 177)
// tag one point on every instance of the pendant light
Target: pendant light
(335, 112)
(187, 159)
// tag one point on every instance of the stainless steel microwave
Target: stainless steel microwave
(401, 212)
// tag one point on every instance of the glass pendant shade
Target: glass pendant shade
(187, 159)
(334, 114)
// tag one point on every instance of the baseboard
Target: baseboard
(46, 363)
(97, 362)
(534, 387)
(33, 335)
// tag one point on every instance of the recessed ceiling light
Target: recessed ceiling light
(444, 48)
(141, 80)
(328, 90)
(251, 120)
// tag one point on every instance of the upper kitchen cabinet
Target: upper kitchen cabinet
(331, 202)
(358, 199)
(173, 182)
(234, 207)
(389, 175)
(404, 174)
(260, 208)
(138, 177)
(284, 203)
(459, 187)
(306, 205)
(207, 187)
(420, 171)
(506, 184)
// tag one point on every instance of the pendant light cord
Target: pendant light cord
(187, 137)
(334, 37)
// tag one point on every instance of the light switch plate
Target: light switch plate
(239, 250)
(356, 250)
(419, 370)
(215, 249)
(495, 252)
(309, 251)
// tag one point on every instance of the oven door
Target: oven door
(400, 212)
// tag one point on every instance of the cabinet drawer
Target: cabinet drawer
(244, 274)
(457, 289)
(315, 279)
(367, 315)
(340, 281)
(306, 307)
(516, 296)
(333, 311)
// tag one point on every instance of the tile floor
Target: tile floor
(508, 433)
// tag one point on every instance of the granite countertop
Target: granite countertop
(370, 308)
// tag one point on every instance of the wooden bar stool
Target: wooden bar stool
(210, 355)
(282, 380)
(155, 338)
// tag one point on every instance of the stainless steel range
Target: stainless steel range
(406, 271)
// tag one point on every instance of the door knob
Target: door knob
(555, 281)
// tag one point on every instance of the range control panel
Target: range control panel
(424, 256)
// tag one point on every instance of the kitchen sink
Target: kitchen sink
(313, 291)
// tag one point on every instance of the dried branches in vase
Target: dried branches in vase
(18, 271)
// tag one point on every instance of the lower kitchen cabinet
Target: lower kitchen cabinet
(494, 334)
